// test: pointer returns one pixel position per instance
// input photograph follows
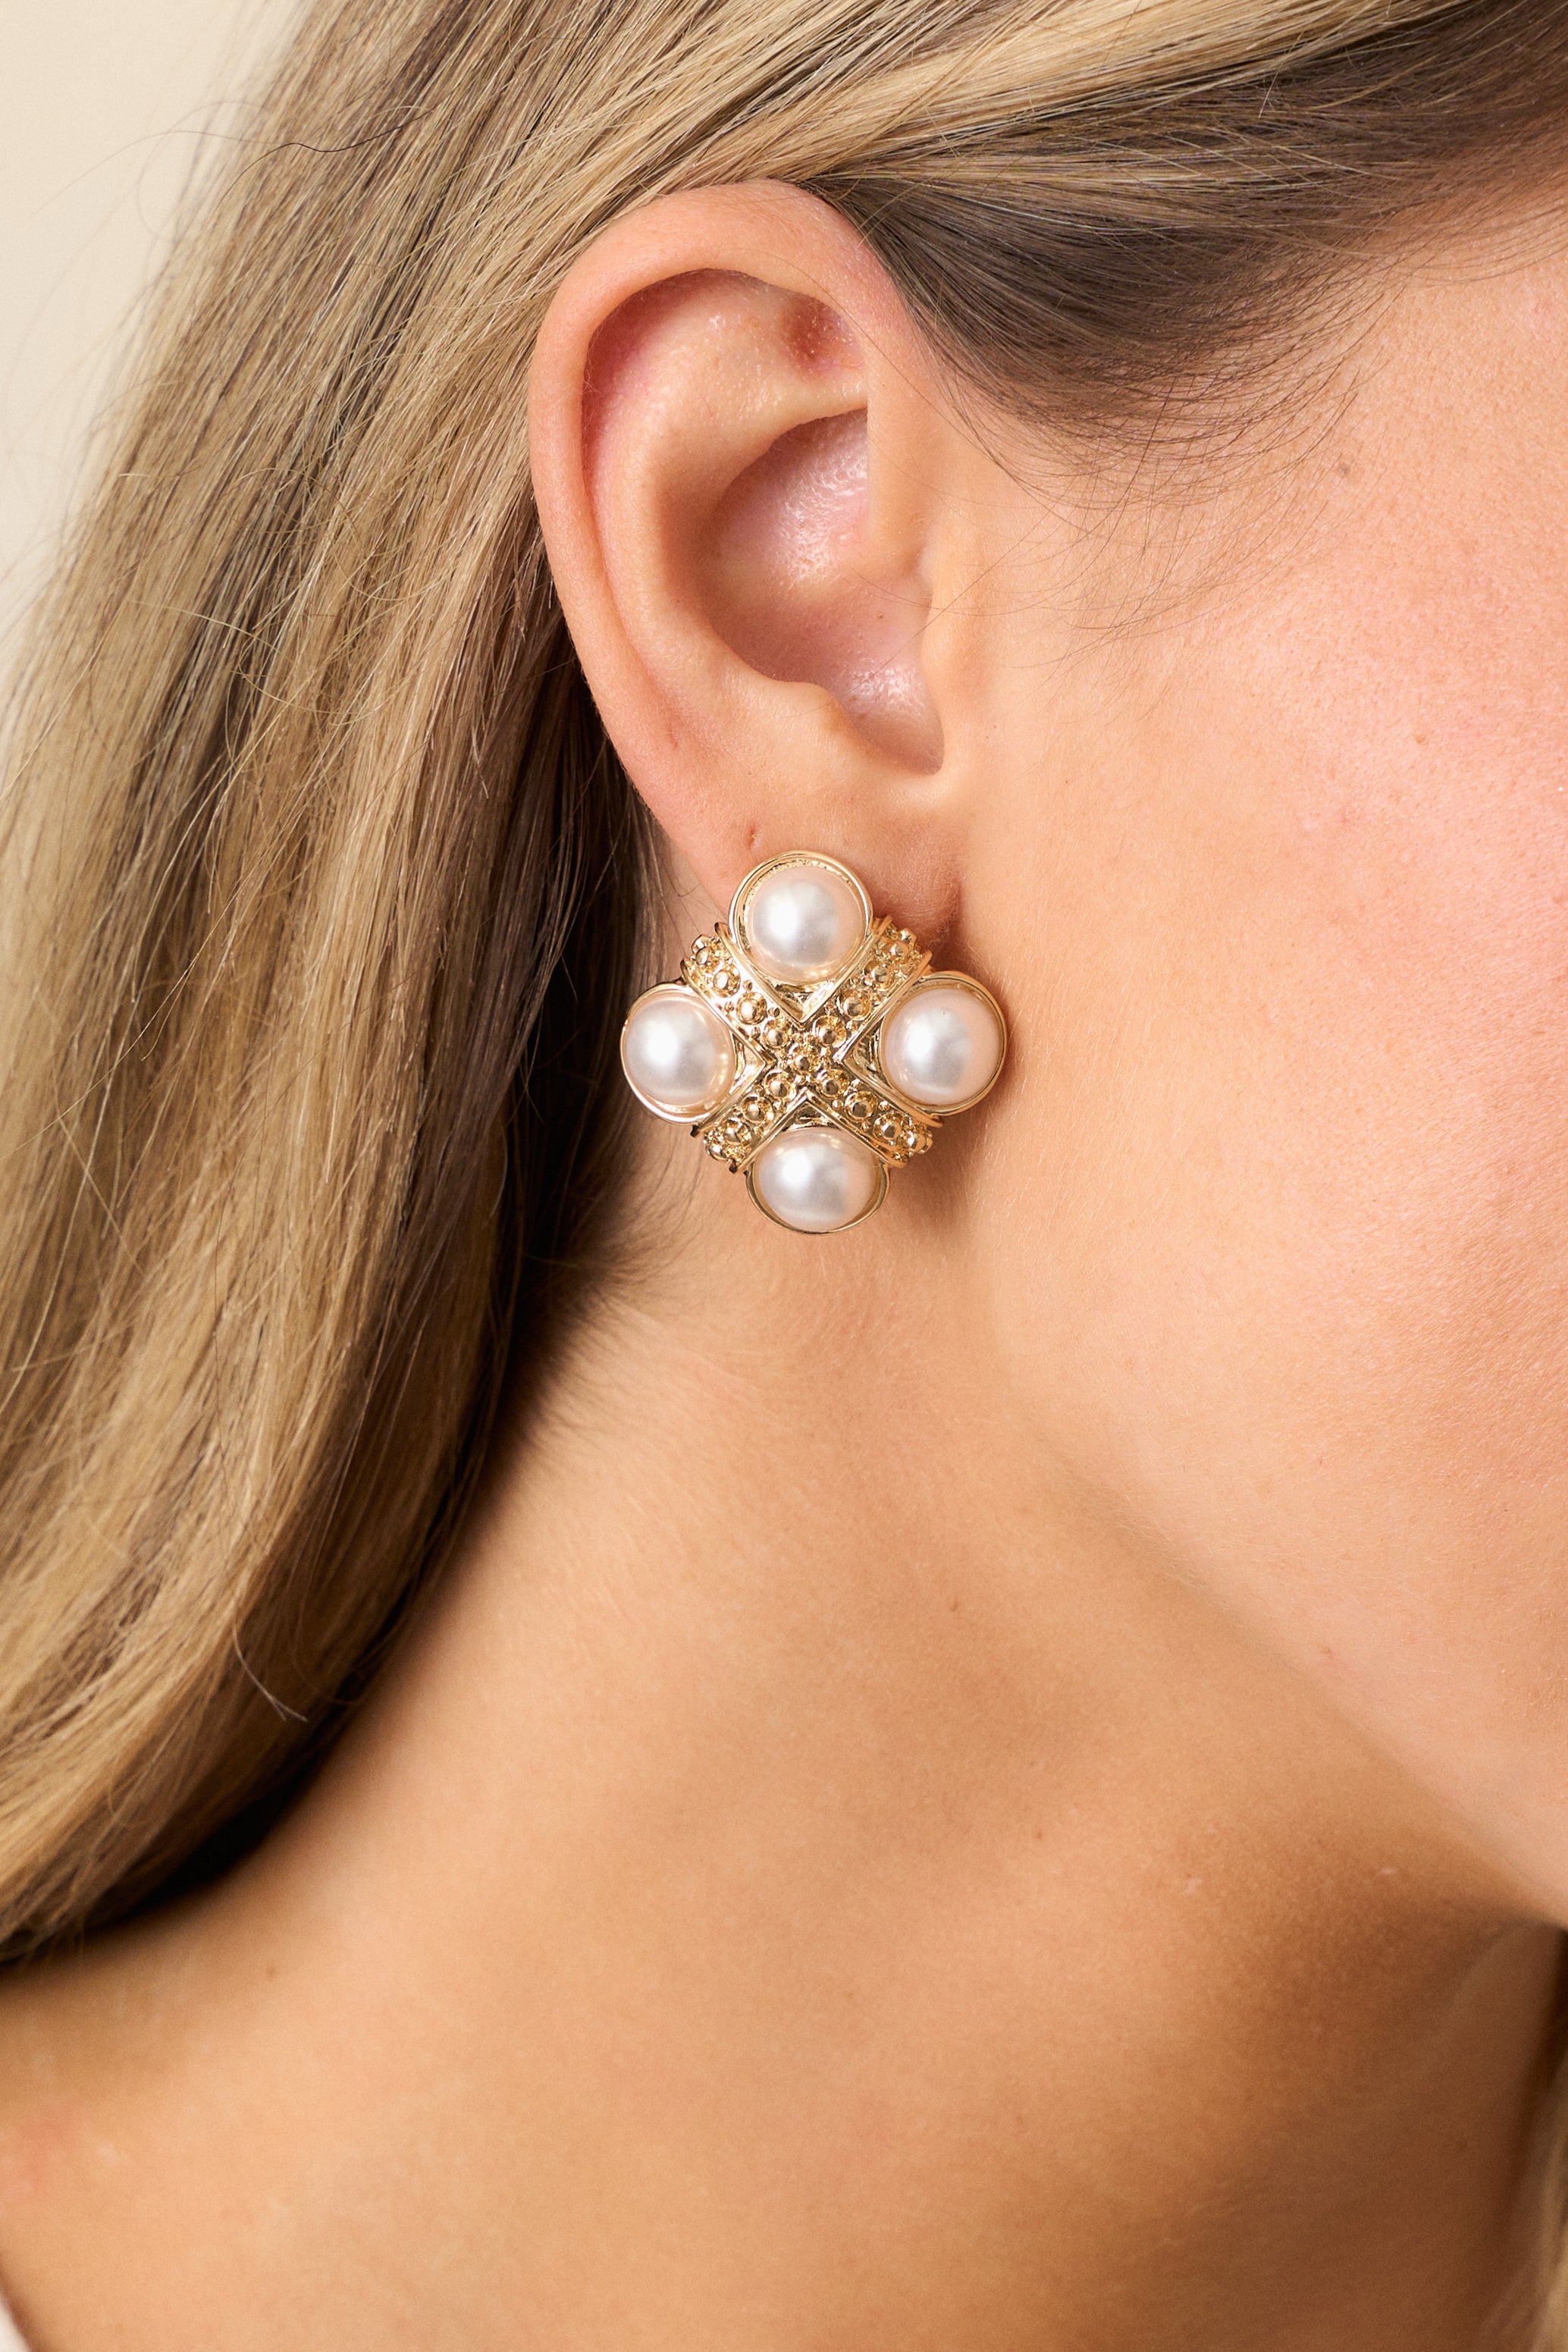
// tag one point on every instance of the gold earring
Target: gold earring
(811, 1045)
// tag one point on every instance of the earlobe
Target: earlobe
(739, 515)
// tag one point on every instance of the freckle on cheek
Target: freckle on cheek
(29, 2153)
(21, 2172)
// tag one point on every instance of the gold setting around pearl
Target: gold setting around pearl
(807, 1057)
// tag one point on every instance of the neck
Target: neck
(812, 1878)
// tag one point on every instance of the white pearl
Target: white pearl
(941, 1047)
(803, 923)
(818, 1180)
(679, 1057)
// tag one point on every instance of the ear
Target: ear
(746, 476)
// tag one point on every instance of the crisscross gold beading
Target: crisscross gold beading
(806, 1056)
(809, 1044)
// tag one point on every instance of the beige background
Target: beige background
(106, 107)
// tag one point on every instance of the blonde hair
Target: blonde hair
(328, 885)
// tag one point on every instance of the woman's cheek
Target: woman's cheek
(1282, 1266)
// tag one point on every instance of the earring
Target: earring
(811, 1045)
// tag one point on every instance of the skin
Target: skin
(991, 1784)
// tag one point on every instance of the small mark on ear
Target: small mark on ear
(817, 338)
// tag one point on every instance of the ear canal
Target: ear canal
(792, 591)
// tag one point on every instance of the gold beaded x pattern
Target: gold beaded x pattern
(811, 1045)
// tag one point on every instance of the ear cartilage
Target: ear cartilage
(811, 1045)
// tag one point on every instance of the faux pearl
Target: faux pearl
(679, 1057)
(942, 1046)
(803, 923)
(818, 1180)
